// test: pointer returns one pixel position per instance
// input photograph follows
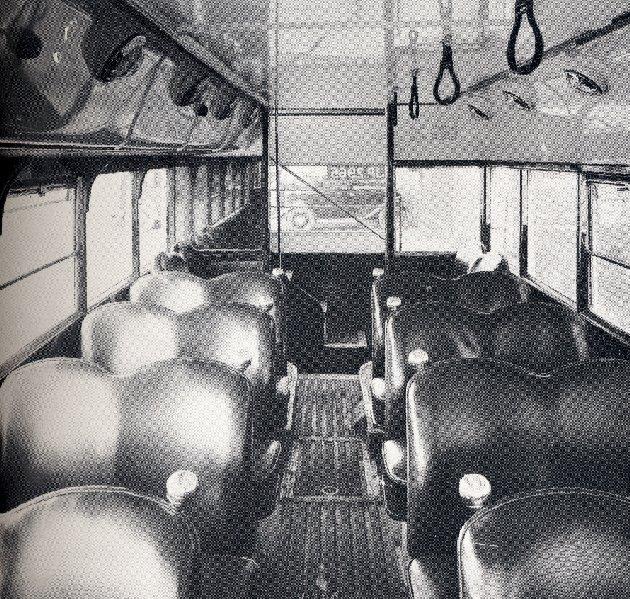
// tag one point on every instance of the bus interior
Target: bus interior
(315, 299)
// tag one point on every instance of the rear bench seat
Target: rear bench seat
(66, 422)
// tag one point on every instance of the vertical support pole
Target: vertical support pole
(392, 117)
(80, 242)
(171, 235)
(390, 239)
(276, 127)
(136, 192)
(583, 239)
(264, 192)
(485, 225)
(523, 267)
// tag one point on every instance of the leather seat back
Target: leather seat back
(95, 543)
(592, 447)
(443, 330)
(123, 337)
(182, 292)
(66, 422)
(470, 416)
(540, 337)
(560, 543)
(521, 431)
(485, 291)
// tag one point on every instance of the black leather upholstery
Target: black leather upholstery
(123, 337)
(521, 431)
(95, 543)
(560, 543)
(537, 336)
(66, 422)
(482, 291)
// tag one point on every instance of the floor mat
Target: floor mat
(330, 530)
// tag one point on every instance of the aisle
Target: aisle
(330, 526)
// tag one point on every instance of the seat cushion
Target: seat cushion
(560, 543)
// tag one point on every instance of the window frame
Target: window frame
(586, 255)
(24, 353)
(524, 272)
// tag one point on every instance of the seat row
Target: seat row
(477, 406)
(183, 392)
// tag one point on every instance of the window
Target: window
(504, 207)
(108, 236)
(334, 208)
(610, 262)
(438, 209)
(332, 184)
(552, 204)
(152, 215)
(37, 266)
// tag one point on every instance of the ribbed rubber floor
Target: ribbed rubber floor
(330, 529)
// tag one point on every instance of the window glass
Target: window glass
(504, 196)
(552, 198)
(26, 243)
(438, 209)
(332, 208)
(152, 216)
(108, 235)
(610, 266)
(35, 305)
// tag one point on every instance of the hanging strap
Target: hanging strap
(446, 63)
(414, 98)
(525, 8)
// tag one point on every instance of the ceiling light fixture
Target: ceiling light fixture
(517, 100)
(584, 84)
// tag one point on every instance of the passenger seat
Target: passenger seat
(106, 543)
(66, 422)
